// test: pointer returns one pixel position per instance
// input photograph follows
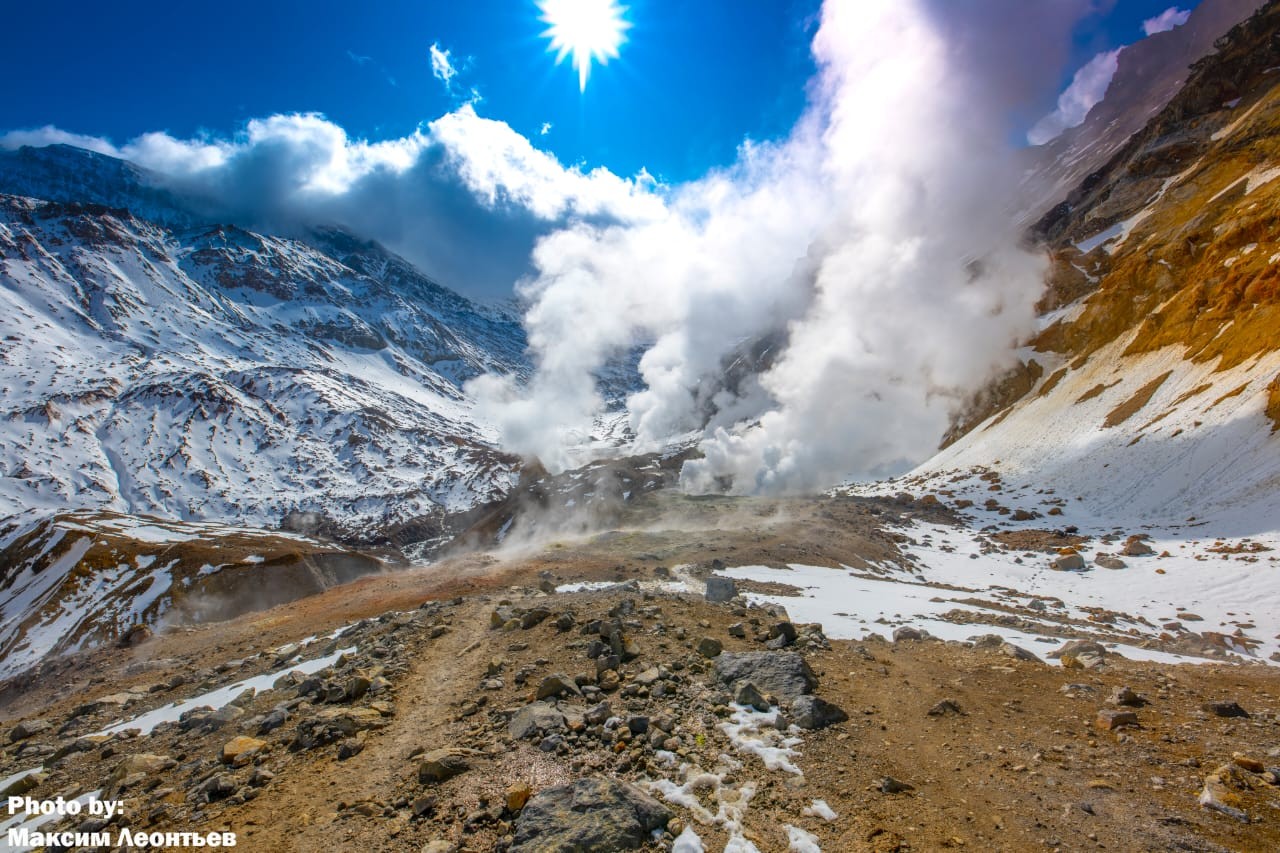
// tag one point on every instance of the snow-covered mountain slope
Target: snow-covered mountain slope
(76, 580)
(211, 373)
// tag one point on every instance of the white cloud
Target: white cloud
(545, 129)
(464, 197)
(872, 246)
(442, 66)
(358, 59)
(1088, 87)
(1166, 20)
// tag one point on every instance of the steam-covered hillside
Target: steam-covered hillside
(206, 372)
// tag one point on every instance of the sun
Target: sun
(590, 30)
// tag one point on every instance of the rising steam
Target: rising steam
(875, 244)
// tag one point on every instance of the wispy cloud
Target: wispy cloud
(363, 61)
(545, 129)
(1166, 20)
(442, 66)
(1088, 87)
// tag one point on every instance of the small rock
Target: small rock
(28, 728)
(1107, 561)
(1081, 654)
(534, 719)
(1072, 562)
(720, 589)
(1111, 719)
(239, 751)
(709, 647)
(1135, 547)
(810, 712)
(1018, 653)
(890, 785)
(441, 764)
(1225, 708)
(518, 794)
(945, 708)
(1126, 696)
(906, 632)
(557, 685)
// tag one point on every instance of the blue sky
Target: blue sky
(693, 80)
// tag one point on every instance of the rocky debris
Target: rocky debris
(907, 632)
(274, 719)
(1107, 561)
(1018, 653)
(28, 728)
(534, 617)
(720, 589)
(1111, 719)
(241, 750)
(1135, 546)
(1126, 696)
(781, 635)
(945, 708)
(810, 712)
(217, 787)
(438, 845)
(134, 769)
(538, 718)
(441, 764)
(783, 674)
(589, 814)
(113, 702)
(333, 724)
(1222, 788)
(136, 635)
(710, 647)
(1225, 708)
(1081, 654)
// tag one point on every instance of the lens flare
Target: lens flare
(588, 30)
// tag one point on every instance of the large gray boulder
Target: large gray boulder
(784, 674)
(588, 816)
(536, 718)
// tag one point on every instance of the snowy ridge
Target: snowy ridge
(218, 374)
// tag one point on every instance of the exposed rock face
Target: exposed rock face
(588, 815)
(783, 674)
(1163, 284)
